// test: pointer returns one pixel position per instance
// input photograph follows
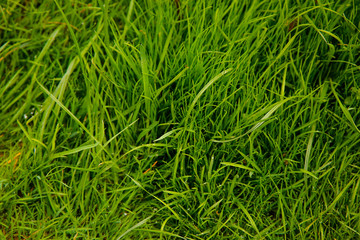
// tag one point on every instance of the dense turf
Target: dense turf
(180, 119)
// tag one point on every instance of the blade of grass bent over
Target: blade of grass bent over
(344, 109)
(68, 112)
(266, 116)
(134, 227)
(60, 89)
(31, 71)
(203, 90)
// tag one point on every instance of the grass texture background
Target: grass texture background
(179, 119)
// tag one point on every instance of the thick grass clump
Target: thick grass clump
(180, 119)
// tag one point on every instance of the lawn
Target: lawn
(178, 119)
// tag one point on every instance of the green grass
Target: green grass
(180, 119)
